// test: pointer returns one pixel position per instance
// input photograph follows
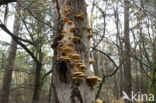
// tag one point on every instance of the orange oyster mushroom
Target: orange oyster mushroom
(98, 101)
(63, 32)
(93, 80)
(69, 22)
(75, 56)
(75, 38)
(65, 19)
(72, 29)
(77, 73)
(92, 61)
(89, 29)
(90, 36)
(80, 16)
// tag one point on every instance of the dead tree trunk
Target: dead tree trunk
(127, 61)
(71, 54)
(5, 90)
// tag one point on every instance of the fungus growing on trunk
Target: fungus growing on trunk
(89, 29)
(75, 38)
(80, 16)
(98, 101)
(90, 36)
(63, 32)
(92, 61)
(69, 22)
(65, 19)
(75, 56)
(67, 11)
(72, 29)
(93, 80)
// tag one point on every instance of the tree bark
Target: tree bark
(5, 90)
(127, 61)
(65, 89)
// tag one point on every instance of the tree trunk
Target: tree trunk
(127, 61)
(120, 50)
(5, 90)
(65, 89)
(152, 88)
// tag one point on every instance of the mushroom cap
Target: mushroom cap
(69, 22)
(72, 29)
(70, 44)
(89, 29)
(90, 36)
(93, 80)
(75, 56)
(64, 58)
(83, 75)
(82, 66)
(77, 73)
(77, 61)
(98, 101)
(78, 64)
(92, 61)
(80, 16)
(66, 19)
(61, 57)
(75, 38)
(69, 10)
(63, 32)
(66, 49)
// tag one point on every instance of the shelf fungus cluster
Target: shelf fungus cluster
(67, 52)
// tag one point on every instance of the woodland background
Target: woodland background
(34, 28)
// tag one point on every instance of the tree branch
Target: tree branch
(2, 2)
(2, 26)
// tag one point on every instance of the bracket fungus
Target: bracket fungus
(65, 19)
(63, 32)
(98, 101)
(64, 58)
(79, 75)
(67, 11)
(80, 16)
(69, 22)
(93, 80)
(75, 56)
(76, 73)
(90, 36)
(70, 44)
(66, 49)
(75, 38)
(89, 29)
(92, 61)
(72, 29)
(83, 75)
